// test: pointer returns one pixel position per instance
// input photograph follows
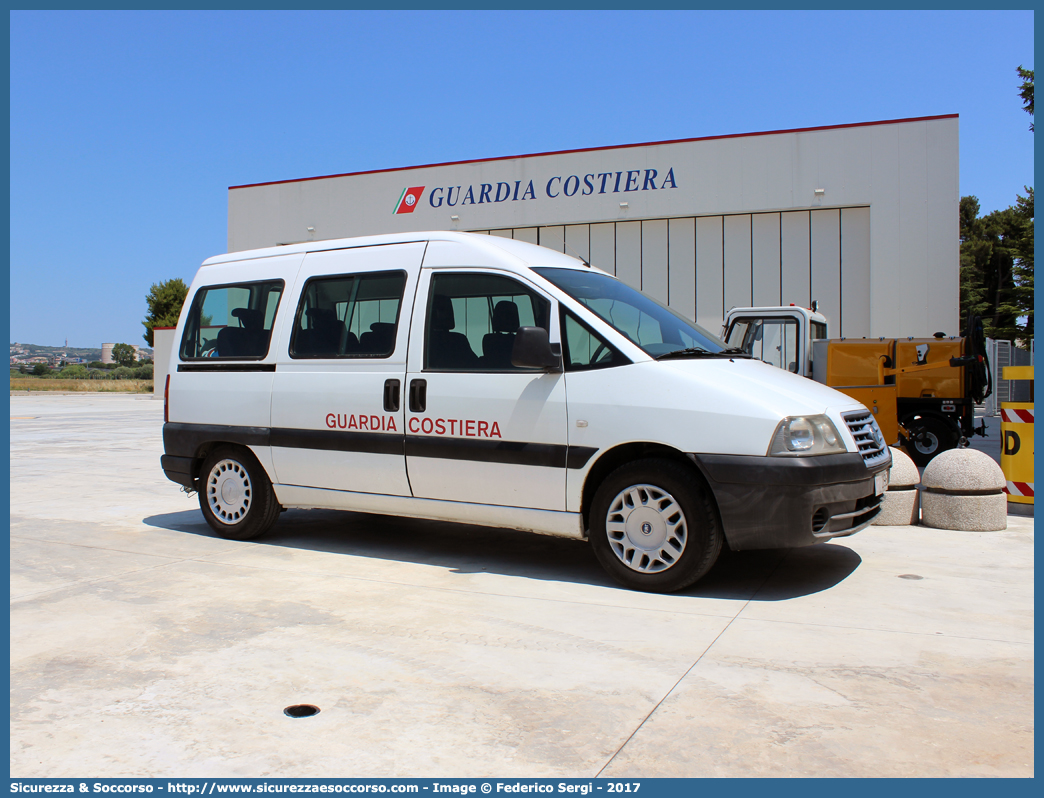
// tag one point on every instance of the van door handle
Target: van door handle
(418, 396)
(391, 396)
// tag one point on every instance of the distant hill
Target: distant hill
(87, 353)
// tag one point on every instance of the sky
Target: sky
(127, 128)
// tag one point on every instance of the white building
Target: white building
(861, 217)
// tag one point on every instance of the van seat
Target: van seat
(497, 345)
(447, 350)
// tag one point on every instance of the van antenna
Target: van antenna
(579, 257)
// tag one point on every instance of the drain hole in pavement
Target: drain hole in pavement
(301, 710)
(910, 576)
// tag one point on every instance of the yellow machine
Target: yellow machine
(922, 391)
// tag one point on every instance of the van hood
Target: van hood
(756, 383)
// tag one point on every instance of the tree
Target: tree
(123, 354)
(164, 300)
(40, 369)
(1026, 90)
(996, 278)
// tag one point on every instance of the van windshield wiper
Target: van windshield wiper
(693, 351)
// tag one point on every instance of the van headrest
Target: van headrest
(505, 316)
(442, 313)
(250, 319)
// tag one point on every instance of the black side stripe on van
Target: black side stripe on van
(548, 455)
(226, 367)
(185, 440)
(337, 441)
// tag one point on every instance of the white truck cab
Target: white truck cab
(471, 378)
(781, 336)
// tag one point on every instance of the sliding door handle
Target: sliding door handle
(391, 396)
(418, 396)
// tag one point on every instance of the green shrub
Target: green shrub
(74, 372)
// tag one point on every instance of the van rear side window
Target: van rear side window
(231, 321)
(353, 315)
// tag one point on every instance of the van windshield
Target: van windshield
(657, 329)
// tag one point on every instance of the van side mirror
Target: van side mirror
(532, 350)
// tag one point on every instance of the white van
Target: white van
(478, 379)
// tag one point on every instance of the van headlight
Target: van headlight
(805, 435)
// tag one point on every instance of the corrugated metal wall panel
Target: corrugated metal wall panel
(654, 259)
(764, 259)
(709, 272)
(681, 265)
(553, 238)
(603, 247)
(578, 241)
(855, 273)
(793, 258)
(825, 251)
(737, 261)
(629, 253)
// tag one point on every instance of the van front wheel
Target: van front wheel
(236, 495)
(653, 527)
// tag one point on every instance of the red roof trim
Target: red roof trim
(598, 149)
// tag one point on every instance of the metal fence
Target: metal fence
(1001, 354)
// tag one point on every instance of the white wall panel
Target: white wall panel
(629, 253)
(578, 241)
(906, 173)
(501, 233)
(553, 238)
(794, 258)
(528, 234)
(709, 273)
(654, 259)
(737, 261)
(825, 247)
(913, 211)
(764, 259)
(855, 273)
(885, 223)
(603, 247)
(681, 266)
(943, 228)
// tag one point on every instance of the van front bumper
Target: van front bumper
(783, 502)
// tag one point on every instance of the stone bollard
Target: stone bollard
(964, 491)
(900, 506)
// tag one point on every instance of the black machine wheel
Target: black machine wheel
(236, 495)
(929, 436)
(653, 526)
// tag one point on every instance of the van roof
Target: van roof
(527, 255)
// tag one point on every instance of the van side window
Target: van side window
(472, 320)
(584, 349)
(352, 315)
(231, 321)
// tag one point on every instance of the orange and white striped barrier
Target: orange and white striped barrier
(1017, 450)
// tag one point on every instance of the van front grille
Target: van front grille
(861, 425)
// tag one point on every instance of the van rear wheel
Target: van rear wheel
(653, 526)
(235, 494)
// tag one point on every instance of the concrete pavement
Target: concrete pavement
(142, 645)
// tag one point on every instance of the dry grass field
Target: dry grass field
(80, 386)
